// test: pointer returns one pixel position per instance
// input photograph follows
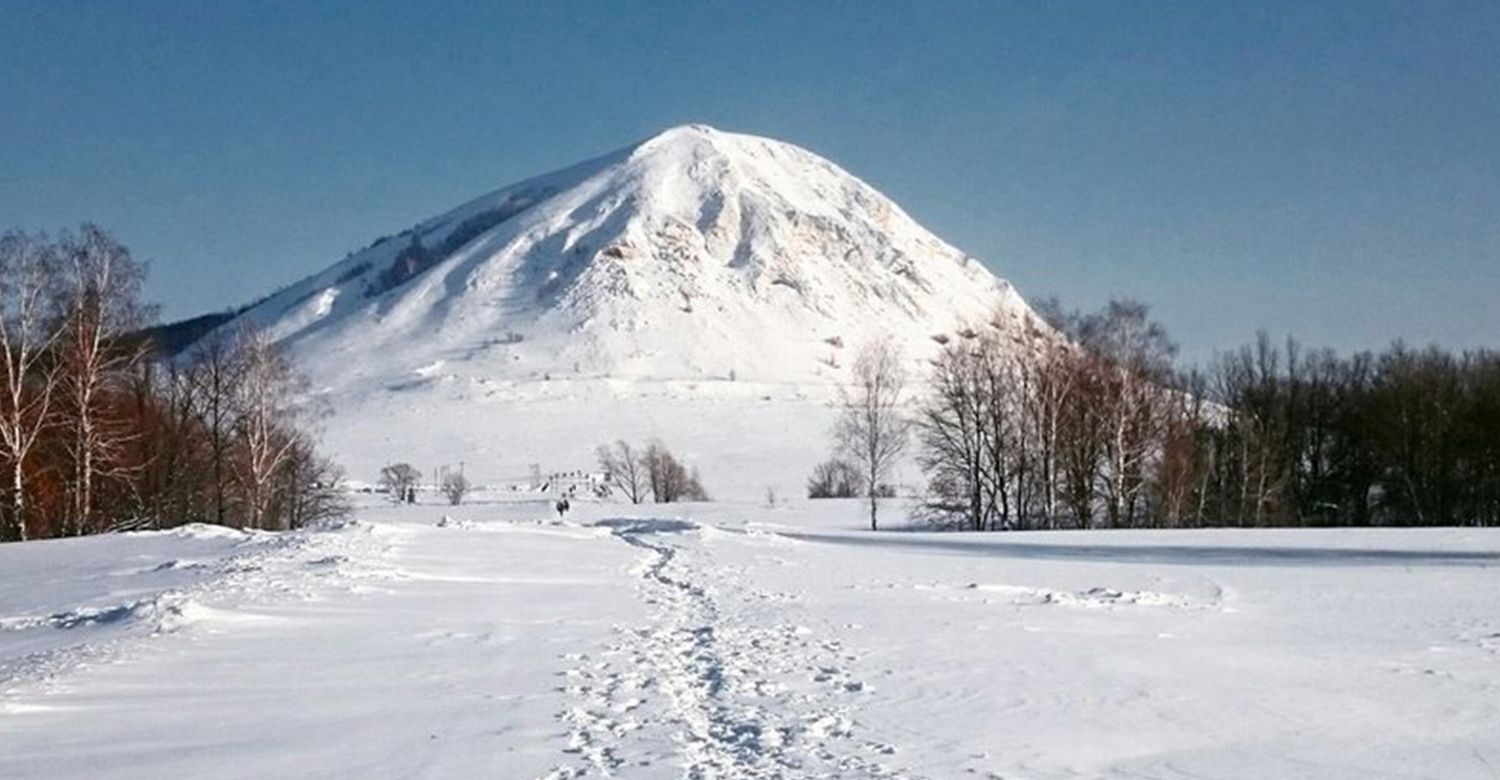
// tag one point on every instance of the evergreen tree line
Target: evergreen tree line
(1085, 422)
(100, 432)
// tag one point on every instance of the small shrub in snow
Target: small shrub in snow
(834, 478)
(455, 487)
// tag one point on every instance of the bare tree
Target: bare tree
(1134, 364)
(624, 469)
(215, 371)
(88, 422)
(872, 432)
(666, 476)
(1248, 382)
(28, 284)
(1052, 387)
(101, 307)
(1181, 467)
(265, 428)
(1002, 383)
(975, 435)
(693, 490)
(655, 464)
(175, 483)
(1015, 418)
(455, 487)
(1081, 434)
(308, 489)
(399, 480)
(658, 470)
(952, 434)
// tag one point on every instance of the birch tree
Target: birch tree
(266, 424)
(872, 432)
(28, 332)
(1053, 387)
(1135, 364)
(101, 306)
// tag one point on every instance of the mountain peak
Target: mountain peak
(693, 129)
(682, 138)
(695, 283)
(697, 253)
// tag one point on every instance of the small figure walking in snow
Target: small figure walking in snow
(562, 507)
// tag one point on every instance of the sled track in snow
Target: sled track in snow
(727, 697)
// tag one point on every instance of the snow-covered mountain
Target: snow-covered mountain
(697, 263)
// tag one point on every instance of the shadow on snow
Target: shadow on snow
(1169, 554)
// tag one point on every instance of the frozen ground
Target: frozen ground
(737, 641)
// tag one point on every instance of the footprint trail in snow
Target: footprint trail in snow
(700, 692)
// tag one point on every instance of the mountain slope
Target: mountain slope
(695, 256)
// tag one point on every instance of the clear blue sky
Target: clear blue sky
(1330, 170)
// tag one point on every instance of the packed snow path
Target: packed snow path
(745, 642)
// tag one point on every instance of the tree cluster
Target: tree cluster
(835, 478)
(1086, 423)
(1037, 429)
(653, 471)
(98, 434)
(1402, 437)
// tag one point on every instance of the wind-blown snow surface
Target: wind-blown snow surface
(680, 284)
(732, 641)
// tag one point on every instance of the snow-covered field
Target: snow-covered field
(739, 641)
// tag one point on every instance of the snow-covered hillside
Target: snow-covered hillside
(733, 641)
(680, 284)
